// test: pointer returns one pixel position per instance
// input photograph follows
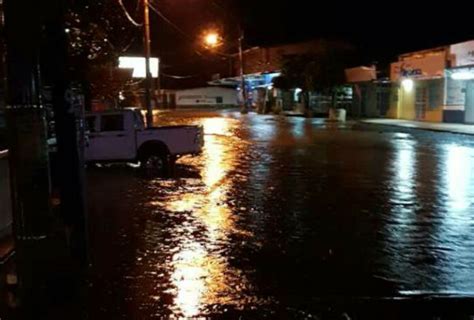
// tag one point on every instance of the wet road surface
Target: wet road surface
(279, 213)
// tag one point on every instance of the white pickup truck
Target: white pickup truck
(121, 136)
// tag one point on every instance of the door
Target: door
(469, 114)
(421, 100)
(383, 100)
(114, 138)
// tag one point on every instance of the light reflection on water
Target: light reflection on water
(455, 238)
(402, 219)
(279, 211)
(405, 166)
(200, 271)
(459, 170)
(430, 235)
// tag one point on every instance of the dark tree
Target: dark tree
(99, 32)
(321, 71)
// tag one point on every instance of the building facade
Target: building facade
(262, 64)
(370, 95)
(205, 97)
(434, 85)
(418, 84)
(459, 106)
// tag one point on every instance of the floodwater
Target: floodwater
(279, 214)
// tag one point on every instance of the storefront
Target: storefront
(257, 86)
(459, 106)
(371, 96)
(419, 87)
(435, 85)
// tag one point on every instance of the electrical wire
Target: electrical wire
(125, 48)
(167, 20)
(176, 27)
(127, 14)
(184, 34)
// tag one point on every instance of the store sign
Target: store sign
(463, 54)
(429, 66)
(138, 65)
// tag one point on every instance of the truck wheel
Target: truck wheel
(155, 164)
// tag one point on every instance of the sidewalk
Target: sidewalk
(430, 126)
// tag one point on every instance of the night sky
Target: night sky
(379, 31)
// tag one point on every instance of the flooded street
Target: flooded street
(278, 213)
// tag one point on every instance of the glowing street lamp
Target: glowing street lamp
(211, 39)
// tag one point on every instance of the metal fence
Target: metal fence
(5, 199)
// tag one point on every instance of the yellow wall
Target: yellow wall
(406, 101)
(434, 115)
(392, 111)
(404, 106)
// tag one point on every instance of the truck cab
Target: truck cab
(121, 136)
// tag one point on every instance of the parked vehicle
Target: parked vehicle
(121, 136)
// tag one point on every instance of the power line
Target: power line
(128, 15)
(158, 12)
(176, 27)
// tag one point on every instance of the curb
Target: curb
(404, 127)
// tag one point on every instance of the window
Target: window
(421, 102)
(435, 93)
(90, 123)
(219, 100)
(421, 99)
(113, 122)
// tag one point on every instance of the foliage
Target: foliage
(108, 82)
(321, 71)
(98, 34)
(99, 31)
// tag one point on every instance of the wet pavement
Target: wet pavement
(279, 215)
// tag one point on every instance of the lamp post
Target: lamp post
(212, 40)
(243, 108)
(147, 48)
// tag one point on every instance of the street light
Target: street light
(211, 39)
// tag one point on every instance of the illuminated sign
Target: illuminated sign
(406, 71)
(429, 66)
(138, 65)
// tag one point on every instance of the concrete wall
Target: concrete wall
(5, 201)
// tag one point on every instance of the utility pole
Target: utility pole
(147, 47)
(29, 160)
(69, 122)
(243, 108)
